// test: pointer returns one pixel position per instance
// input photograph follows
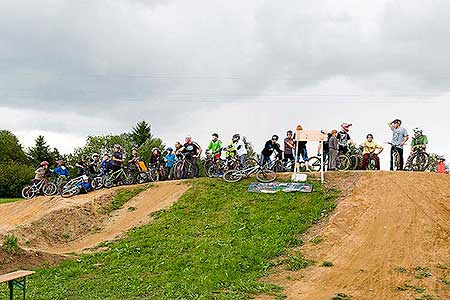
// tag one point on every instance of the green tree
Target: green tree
(40, 152)
(141, 133)
(10, 148)
(145, 149)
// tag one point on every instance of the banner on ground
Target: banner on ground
(273, 187)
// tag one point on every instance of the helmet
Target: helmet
(44, 163)
(441, 158)
(275, 137)
(236, 137)
(169, 149)
(188, 137)
(369, 135)
(117, 146)
(95, 155)
(84, 177)
(418, 131)
(346, 126)
(154, 148)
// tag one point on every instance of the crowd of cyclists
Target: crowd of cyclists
(182, 161)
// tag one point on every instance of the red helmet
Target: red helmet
(44, 163)
(346, 126)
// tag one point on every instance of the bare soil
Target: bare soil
(389, 238)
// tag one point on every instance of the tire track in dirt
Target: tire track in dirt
(390, 221)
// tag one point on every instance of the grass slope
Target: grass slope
(9, 200)
(213, 244)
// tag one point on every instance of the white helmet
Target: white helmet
(85, 177)
(418, 131)
(95, 155)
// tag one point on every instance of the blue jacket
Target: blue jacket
(61, 171)
(170, 160)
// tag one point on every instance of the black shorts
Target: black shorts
(289, 156)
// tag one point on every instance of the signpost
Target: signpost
(310, 136)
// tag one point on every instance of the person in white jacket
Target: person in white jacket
(241, 150)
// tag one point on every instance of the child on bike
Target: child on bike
(61, 169)
(170, 159)
(40, 173)
(215, 146)
(105, 165)
(442, 167)
(419, 141)
(369, 148)
(156, 157)
(241, 150)
(82, 166)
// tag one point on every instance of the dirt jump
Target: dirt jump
(388, 239)
(58, 225)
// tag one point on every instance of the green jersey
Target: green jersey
(215, 147)
(421, 140)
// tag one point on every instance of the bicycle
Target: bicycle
(73, 187)
(315, 166)
(42, 186)
(418, 160)
(184, 168)
(395, 157)
(156, 172)
(262, 174)
(118, 177)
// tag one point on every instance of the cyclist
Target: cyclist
(170, 159)
(270, 147)
(94, 166)
(192, 150)
(442, 167)
(419, 141)
(105, 165)
(369, 148)
(344, 139)
(82, 166)
(117, 158)
(156, 157)
(241, 150)
(41, 171)
(288, 146)
(134, 160)
(215, 147)
(333, 151)
(301, 151)
(178, 147)
(399, 138)
(61, 169)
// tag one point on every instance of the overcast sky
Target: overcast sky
(69, 69)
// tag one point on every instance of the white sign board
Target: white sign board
(312, 136)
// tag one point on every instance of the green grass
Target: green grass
(123, 196)
(215, 243)
(9, 200)
(10, 245)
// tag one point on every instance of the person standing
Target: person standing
(241, 150)
(270, 146)
(333, 152)
(215, 147)
(399, 138)
(344, 139)
(370, 147)
(117, 158)
(289, 146)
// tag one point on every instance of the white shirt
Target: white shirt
(240, 148)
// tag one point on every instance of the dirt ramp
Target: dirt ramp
(389, 239)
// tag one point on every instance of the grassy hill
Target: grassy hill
(214, 243)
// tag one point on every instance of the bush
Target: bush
(13, 177)
(10, 244)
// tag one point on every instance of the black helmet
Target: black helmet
(275, 137)
(236, 137)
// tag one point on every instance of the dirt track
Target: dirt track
(384, 240)
(32, 219)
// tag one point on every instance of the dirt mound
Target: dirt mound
(388, 239)
(57, 225)
(26, 260)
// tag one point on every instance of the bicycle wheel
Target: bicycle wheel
(419, 161)
(212, 171)
(354, 163)
(372, 165)
(108, 182)
(49, 189)
(28, 192)
(264, 175)
(278, 167)
(233, 176)
(344, 162)
(129, 179)
(141, 177)
(70, 191)
(314, 164)
(179, 171)
(396, 160)
(251, 162)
